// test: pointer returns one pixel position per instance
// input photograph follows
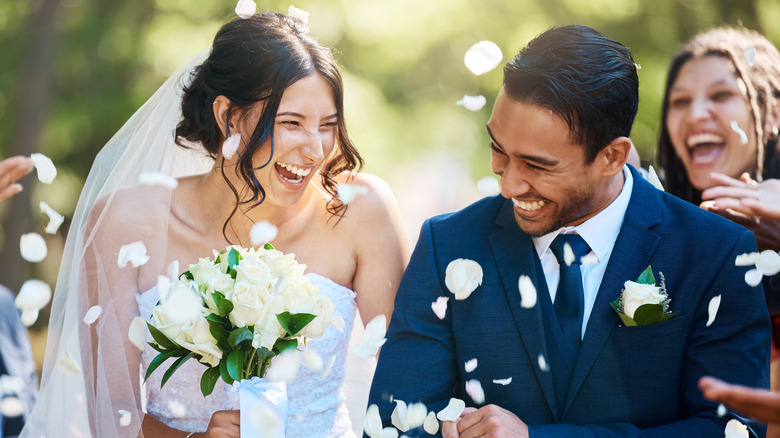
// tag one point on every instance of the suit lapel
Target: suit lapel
(514, 255)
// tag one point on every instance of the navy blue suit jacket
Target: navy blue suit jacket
(627, 381)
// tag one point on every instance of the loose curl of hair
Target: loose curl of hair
(762, 85)
(254, 60)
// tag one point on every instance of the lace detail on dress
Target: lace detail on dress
(317, 406)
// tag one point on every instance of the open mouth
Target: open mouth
(528, 206)
(705, 149)
(291, 173)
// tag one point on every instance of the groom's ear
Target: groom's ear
(614, 156)
(222, 108)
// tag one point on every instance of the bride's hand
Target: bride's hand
(223, 424)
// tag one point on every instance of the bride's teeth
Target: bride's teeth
(295, 169)
(703, 138)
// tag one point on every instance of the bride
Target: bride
(272, 87)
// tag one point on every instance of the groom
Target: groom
(561, 362)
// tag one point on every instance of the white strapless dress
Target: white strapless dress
(316, 404)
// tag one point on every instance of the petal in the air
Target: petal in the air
(398, 417)
(298, 13)
(266, 417)
(328, 367)
(230, 145)
(440, 307)
(32, 247)
(55, 219)
(45, 168)
(475, 391)
(124, 417)
(753, 277)
(372, 422)
(747, 259)
(472, 103)
(262, 232)
(312, 360)
(483, 57)
(489, 186)
(470, 365)
(462, 277)
(177, 409)
(652, 177)
(769, 262)
(735, 127)
(543, 363)
(11, 407)
(373, 338)
(28, 317)
(568, 254)
(415, 415)
(133, 253)
(284, 367)
(158, 179)
(712, 309)
(246, 8)
(348, 192)
(527, 292)
(338, 323)
(137, 333)
(503, 382)
(92, 314)
(750, 55)
(34, 295)
(431, 425)
(453, 410)
(735, 429)
(68, 365)
(389, 432)
(589, 259)
(722, 411)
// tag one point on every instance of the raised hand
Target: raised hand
(760, 404)
(11, 170)
(490, 420)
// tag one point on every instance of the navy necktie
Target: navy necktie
(569, 300)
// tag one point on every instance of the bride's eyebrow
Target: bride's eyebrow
(299, 115)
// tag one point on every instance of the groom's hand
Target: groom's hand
(490, 420)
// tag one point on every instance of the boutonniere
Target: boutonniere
(642, 302)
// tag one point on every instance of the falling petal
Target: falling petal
(431, 425)
(638, 67)
(472, 103)
(124, 419)
(653, 178)
(373, 338)
(55, 219)
(265, 416)
(735, 127)
(298, 13)
(11, 407)
(747, 259)
(158, 179)
(46, 170)
(453, 410)
(284, 367)
(483, 57)
(68, 365)
(137, 333)
(133, 253)
(246, 8)
(568, 254)
(735, 429)
(462, 277)
(440, 307)
(470, 365)
(589, 260)
(372, 422)
(753, 277)
(750, 55)
(230, 145)
(32, 247)
(348, 192)
(92, 314)
(769, 262)
(398, 417)
(10, 385)
(489, 186)
(504, 382)
(712, 309)
(28, 317)
(389, 432)
(543, 363)
(177, 409)
(34, 295)
(338, 323)
(163, 286)
(527, 292)
(415, 415)
(312, 360)
(722, 411)
(328, 367)
(475, 391)
(262, 232)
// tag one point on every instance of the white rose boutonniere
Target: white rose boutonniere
(642, 302)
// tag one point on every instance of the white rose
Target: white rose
(253, 269)
(248, 299)
(267, 327)
(179, 311)
(462, 277)
(636, 294)
(198, 339)
(277, 261)
(213, 278)
(323, 308)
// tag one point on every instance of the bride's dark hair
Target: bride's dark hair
(253, 60)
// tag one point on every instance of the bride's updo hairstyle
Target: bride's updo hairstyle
(254, 60)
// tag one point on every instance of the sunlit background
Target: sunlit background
(72, 71)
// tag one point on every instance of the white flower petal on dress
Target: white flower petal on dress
(712, 309)
(453, 410)
(440, 307)
(483, 57)
(299, 14)
(230, 145)
(527, 292)
(747, 259)
(753, 277)
(328, 367)
(45, 168)
(750, 55)
(284, 367)
(11, 407)
(543, 363)
(32, 247)
(735, 429)
(735, 127)
(489, 186)
(137, 333)
(470, 365)
(348, 192)
(262, 232)
(158, 179)
(590, 259)
(431, 425)
(398, 417)
(652, 177)
(68, 365)
(472, 103)
(177, 409)
(415, 415)
(722, 411)
(372, 422)
(246, 8)
(373, 337)
(338, 323)
(266, 417)
(124, 417)
(503, 382)
(769, 262)
(92, 314)
(312, 360)
(133, 253)
(475, 391)
(462, 277)
(55, 219)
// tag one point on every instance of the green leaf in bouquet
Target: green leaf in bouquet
(157, 361)
(646, 277)
(293, 323)
(208, 380)
(217, 329)
(188, 275)
(626, 320)
(223, 371)
(650, 314)
(285, 344)
(224, 305)
(240, 335)
(179, 362)
(233, 258)
(235, 364)
(268, 247)
(161, 339)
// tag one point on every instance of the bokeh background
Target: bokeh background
(72, 72)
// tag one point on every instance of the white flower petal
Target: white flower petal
(28, 317)
(504, 382)
(32, 247)
(284, 368)
(489, 186)
(230, 145)
(398, 417)
(475, 391)
(453, 410)
(769, 262)
(415, 415)
(373, 338)
(735, 429)
(163, 287)
(472, 103)
(158, 179)
(440, 307)
(389, 432)
(55, 219)
(638, 67)
(137, 333)
(124, 417)
(92, 314)
(267, 418)
(173, 270)
(470, 365)
(590, 259)
(312, 360)
(372, 422)
(747, 259)
(753, 277)
(652, 177)
(712, 309)
(133, 253)
(431, 425)
(262, 232)
(10, 385)
(34, 295)
(246, 8)
(483, 57)
(543, 363)
(348, 192)
(328, 367)
(177, 409)
(750, 55)
(11, 407)
(527, 292)
(568, 254)
(722, 411)
(462, 277)
(68, 365)
(735, 127)
(298, 13)
(45, 168)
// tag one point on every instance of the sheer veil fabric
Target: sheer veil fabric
(91, 372)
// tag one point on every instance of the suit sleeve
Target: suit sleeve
(734, 348)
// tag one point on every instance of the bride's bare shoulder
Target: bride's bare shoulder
(372, 201)
(134, 210)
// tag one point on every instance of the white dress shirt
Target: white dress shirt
(600, 233)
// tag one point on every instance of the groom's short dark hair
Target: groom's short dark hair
(587, 79)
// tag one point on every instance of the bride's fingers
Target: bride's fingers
(729, 192)
(726, 180)
(759, 209)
